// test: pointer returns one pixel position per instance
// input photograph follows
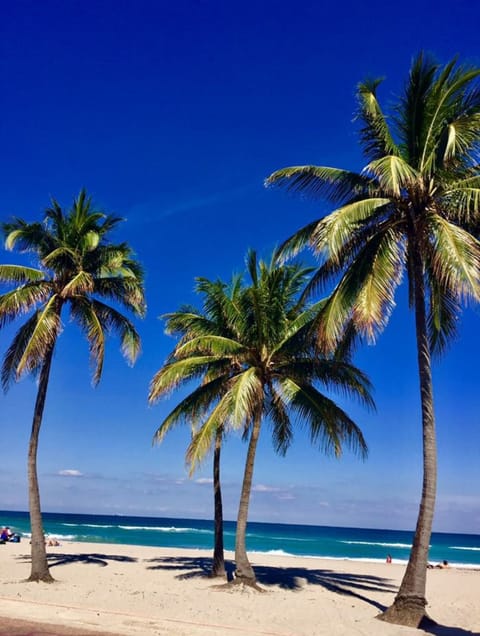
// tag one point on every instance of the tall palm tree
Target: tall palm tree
(77, 267)
(267, 368)
(188, 323)
(405, 212)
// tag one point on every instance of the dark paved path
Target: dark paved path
(14, 627)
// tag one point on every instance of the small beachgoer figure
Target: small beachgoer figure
(53, 542)
(9, 533)
(443, 564)
(4, 535)
(389, 558)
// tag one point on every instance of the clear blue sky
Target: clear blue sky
(171, 115)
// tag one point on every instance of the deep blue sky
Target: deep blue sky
(171, 115)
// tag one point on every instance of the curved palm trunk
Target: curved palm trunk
(244, 572)
(39, 571)
(218, 568)
(409, 605)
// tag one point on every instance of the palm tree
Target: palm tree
(266, 368)
(405, 212)
(78, 266)
(214, 319)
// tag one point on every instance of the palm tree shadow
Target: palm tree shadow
(200, 567)
(291, 578)
(447, 630)
(88, 559)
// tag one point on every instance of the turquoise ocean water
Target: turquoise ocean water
(273, 538)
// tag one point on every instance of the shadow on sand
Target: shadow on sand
(445, 630)
(354, 585)
(88, 559)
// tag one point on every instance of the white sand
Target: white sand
(142, 591)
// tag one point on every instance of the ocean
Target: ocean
(362, 544)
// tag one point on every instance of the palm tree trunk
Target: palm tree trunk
(244, 572)
(409, 605)
(218, 568)
(40, 571)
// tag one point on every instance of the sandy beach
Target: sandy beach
(141, 591)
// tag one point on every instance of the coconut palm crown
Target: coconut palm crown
(407, 212)
(264, 366)
(77, 268)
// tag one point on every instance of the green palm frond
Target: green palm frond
(172, 375)
(22, 300)
(333, 374)
(202, 439)
(19, 275)
(335, 231)
(332, 184)
(246, 392)
(84, 314)
(446, 91)
(442, 320)
(194, 406)
(27, 237)
(81, 283)
(214, 345)
(16, 350)
(375, 135)
(329, 426)
(113, 321)
(393, 174)
(42, 338)
(462, 202)
(455, 258)
(63, 257)
(365, 292)
(460, 138)
(282, 432)
(127, 291)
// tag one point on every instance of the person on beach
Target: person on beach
(4, 535)
(389, 558)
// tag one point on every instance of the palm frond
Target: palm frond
(393, 174)
(195, 406)
(329, 426)
(202, 440)
(214, 345)
(172, 375)
(81, 283)
(84, 314)
(375, 135)
(246, 393)
(113, 321)
(455, 258)
(335, 230)
(19, 274)
(282, 427)
(15, 352)
(22, 300)
(443, 317)
(42, 338)
(332, 184)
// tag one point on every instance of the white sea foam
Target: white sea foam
(167, 529)
(383, 545)
(87, 525)
(458, 547)
(273, 552)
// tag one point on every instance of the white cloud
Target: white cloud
(204, 480)
(70, 472)
(264, 488)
